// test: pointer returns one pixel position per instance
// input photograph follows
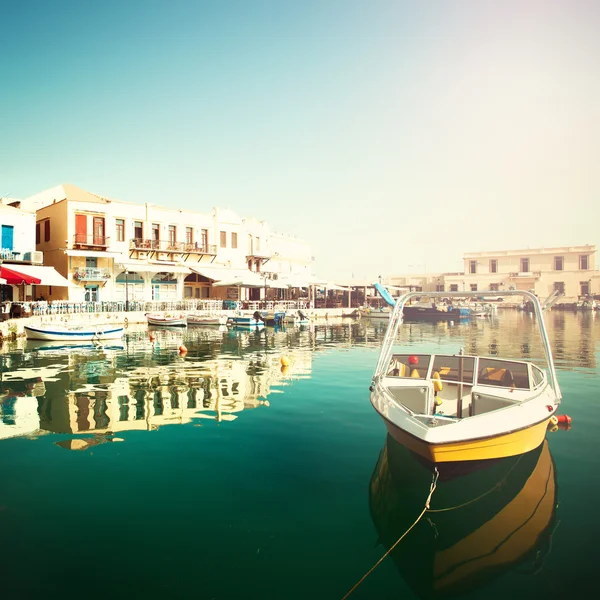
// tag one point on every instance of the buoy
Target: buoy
(151, 336)
(182, 349)
(284, 369)
(413, 360)
(285, 361)
(564, 419)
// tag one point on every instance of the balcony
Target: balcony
(91, 274)
(82, 240)
(525, 274)
(165, 246)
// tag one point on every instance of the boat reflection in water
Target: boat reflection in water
(484, 518)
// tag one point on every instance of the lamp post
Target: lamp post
(126, 290)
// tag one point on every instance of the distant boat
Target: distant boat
(206, 320)
(73, 333)
(375, 313)
(255, 320)
(166, 319)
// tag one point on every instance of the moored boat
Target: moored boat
(196, 319)
(166, 319)
(252, 321)
(73, 333)
(456, 407)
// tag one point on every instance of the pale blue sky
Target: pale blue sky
(391, 135)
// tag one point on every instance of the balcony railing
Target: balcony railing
(171, 247)
(254, 253)
(525, 274)
(82, 239)
(90, 274)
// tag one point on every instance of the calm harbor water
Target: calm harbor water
(134, 472)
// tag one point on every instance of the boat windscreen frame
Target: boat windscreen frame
(397, 317)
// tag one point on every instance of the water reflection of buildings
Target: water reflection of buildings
(481, 523)
(146, 398)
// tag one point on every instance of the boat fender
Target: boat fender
(563, 419)
(553, 420)
(285, 361)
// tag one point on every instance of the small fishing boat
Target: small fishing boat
(369, 312)
(73, 333)
(431, 311)
(456, 407)
(296, 318)
(197, 319)
(166, 319)
(252, 321)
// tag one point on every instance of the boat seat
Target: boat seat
(493, 376)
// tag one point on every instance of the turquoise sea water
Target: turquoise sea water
(135, 472)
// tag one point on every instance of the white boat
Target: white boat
(206, 320)
(375, 313)
(455, 407)
(296, 318)
(240, 320)
(73, 333)
(166, 319)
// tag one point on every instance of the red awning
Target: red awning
(15, 278)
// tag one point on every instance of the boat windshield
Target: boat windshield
(414, 366)
(454, 368)
(503, 373)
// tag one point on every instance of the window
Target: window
(233, 239)
(584, 262)
(223, 239)
(439, 287)
(585, 288)
(559, 263)
(204, 238)
(493, 266)
(8, 237)
(91, 262)
(472, 266)
(473, 287)
(138, 230)
(189, 235)
(47, 230)
(559, 286)
(120, 229)
(257, 244)
(155, 232)
(37, 233)
(454, 287)
(172, 234)
(524, 265)
(494, 287)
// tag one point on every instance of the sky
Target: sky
(393, 136)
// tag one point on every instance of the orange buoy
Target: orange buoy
(285, 361)
(182, 349)
(565, 419)
(151, 336)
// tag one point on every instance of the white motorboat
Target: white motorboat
(455, 407)
(166, 319)
(198, 319)
(73, 333)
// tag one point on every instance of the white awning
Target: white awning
(95, 254)
(142, 266)
(48, 275)
(222, 273)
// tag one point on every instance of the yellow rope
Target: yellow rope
(425, 509)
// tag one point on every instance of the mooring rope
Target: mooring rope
(425, 509)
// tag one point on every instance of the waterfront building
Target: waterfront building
(18, 256)
(115, 250)
(569, 269)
